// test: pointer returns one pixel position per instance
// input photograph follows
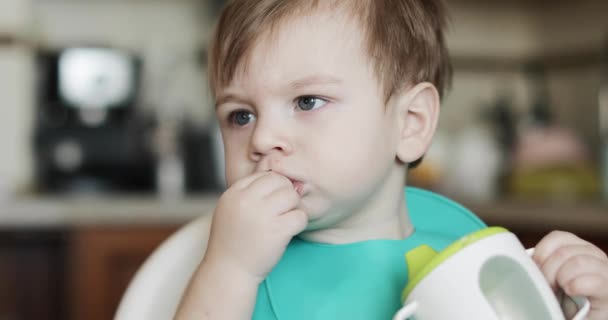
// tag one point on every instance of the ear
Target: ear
(417, 115)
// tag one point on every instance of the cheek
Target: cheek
(356, 154)
(359, 140)
(236, 163)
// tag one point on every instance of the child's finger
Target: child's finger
(268, 183)
(553, 241)
(576, 273)
(595, 288)
(558, 258)
(243, 183)
(294, 221)
(590, 285)
(283, 199)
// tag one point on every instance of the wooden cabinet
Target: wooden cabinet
(31, 275)
(102, 261)
(81, 271)
(532, 221)
(72, 258)
(74, 274)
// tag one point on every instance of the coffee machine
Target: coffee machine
(89, 134)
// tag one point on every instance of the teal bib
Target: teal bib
(361, 280)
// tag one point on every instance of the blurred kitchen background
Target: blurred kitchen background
(108, 144)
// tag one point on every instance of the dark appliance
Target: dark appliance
(89, 134)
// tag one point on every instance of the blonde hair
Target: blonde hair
(404, 38)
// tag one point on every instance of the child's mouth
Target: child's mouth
(298, 186)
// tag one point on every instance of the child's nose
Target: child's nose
(269, 137)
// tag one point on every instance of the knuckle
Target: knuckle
(284, 181)
(561, 253)
(601, 254)
(289, 191)
(279, 178)
(285, 194)
(579, 262)
(559, 234)
(584, 285)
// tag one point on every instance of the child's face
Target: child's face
(309, 106)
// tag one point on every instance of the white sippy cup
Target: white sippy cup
(485, 275)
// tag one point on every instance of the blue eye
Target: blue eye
(240, 118)
(308, 103)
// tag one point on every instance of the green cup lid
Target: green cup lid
(423, 259)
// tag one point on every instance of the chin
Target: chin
(319, 215)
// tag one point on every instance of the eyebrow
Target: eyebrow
(317, 79)
(314, 80)
(227, 98)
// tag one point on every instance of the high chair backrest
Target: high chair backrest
(156, 289)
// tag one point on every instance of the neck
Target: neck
(382, 216)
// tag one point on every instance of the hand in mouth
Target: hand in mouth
(298, 186)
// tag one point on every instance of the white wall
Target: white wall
(491, 29)
(15, 15)
(16, 83)
(16, 112)
(572, 25)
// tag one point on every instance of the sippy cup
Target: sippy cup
(485, 275)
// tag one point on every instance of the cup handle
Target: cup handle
(582, 303)
(406, 311)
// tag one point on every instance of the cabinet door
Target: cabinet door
(31, 275)
(102, 261)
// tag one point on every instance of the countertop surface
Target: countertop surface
(43, 212)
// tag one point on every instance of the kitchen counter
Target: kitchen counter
(122, 210)
(50, 212)
(96, 244)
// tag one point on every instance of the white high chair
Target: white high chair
(156, 290)
(157, 287)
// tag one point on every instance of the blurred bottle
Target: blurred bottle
(550, 161)
(476, 161)
(170, 173)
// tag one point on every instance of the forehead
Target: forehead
(327, 42)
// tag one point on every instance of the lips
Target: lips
(298, 186)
